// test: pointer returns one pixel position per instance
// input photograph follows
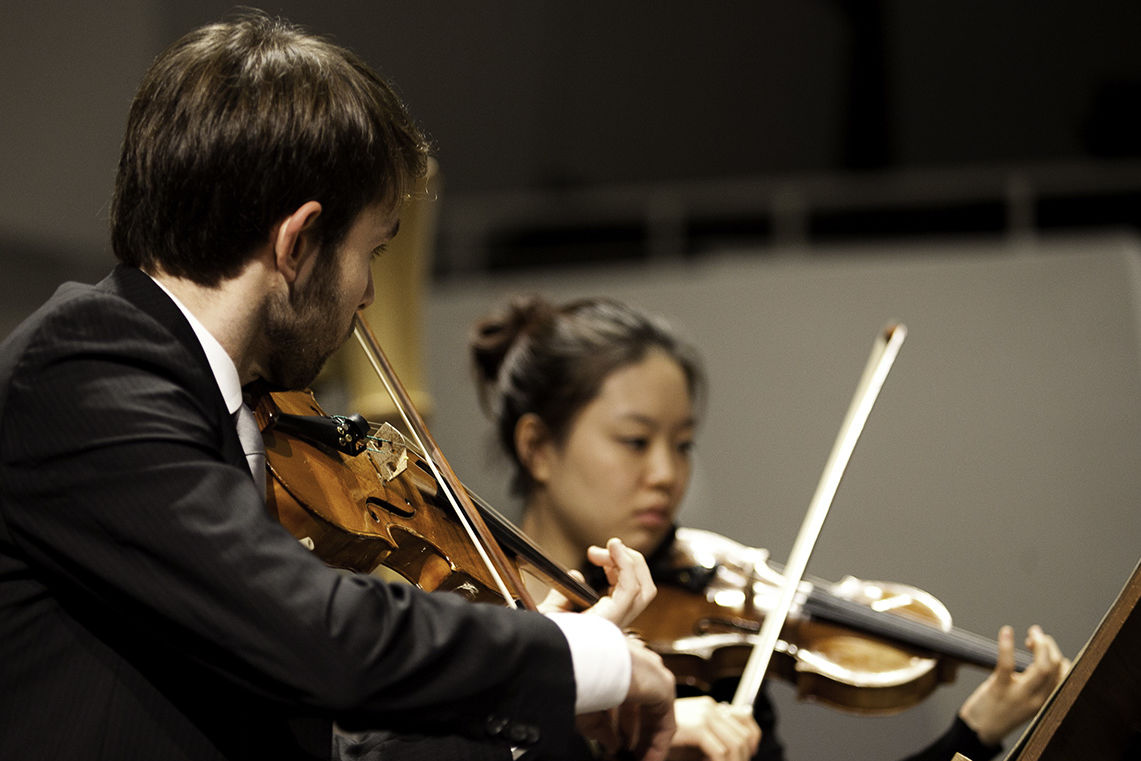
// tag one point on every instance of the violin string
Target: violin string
(534, 554)
(505, 524)
(375, 358)
(985, 649)
(971, 647)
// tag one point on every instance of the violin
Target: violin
(362, 499)
(867, 647)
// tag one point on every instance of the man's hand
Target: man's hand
(631, 588)
(644, 724)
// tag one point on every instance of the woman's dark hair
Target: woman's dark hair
(534, 357)
(238, 124)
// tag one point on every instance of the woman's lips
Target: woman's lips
(652, 517)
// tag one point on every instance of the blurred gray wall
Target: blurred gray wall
(68, 73)
(998, 471)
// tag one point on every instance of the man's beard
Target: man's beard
(304, 330)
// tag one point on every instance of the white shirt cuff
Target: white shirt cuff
(601, 660)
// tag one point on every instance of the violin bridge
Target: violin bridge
(389, 452)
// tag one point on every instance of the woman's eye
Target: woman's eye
(376, 252)
(636, 443)
(685, 447)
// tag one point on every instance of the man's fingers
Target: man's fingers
(633, 576)
(632, 587)
(656, 729)
(629, 725)
(652, 694)
(555, 601)
(601, 726)
(599, 556)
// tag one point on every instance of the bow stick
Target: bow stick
(875, 372)
(489, 550)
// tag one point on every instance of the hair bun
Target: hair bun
(493, 336)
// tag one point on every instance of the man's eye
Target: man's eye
(636, 443)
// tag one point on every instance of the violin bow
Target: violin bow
(469, 517)
(883, 354)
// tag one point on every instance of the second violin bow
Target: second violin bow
(875, 373)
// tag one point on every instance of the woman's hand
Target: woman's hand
(1007, 699)
(720, 731)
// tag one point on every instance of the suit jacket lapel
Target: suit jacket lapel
(137, 288)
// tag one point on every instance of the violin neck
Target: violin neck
(518, 544)
(956, 643)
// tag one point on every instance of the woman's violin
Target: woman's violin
(864, 646)
(867, 647)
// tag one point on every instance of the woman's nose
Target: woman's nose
(663, 465)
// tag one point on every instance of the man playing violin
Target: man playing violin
(149, 606)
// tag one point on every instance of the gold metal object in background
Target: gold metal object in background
(400, 276)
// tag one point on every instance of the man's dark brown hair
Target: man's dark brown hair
(238, 124)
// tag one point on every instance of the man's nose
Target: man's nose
(369, 293)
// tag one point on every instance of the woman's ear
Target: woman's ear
(535, 446)
(293, 242)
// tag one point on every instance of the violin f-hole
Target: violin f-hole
(407, 510)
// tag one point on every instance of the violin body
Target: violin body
(363, 500)
(356, 512)
(704, 627)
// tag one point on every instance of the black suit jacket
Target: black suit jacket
(149, 607)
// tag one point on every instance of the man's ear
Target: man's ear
(293, 241)
(535, 446)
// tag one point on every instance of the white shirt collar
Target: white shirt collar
(221, 365)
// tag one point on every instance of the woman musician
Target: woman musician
(596, 405)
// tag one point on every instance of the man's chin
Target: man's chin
(292, 376)
(299, 351)
(348, 334)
